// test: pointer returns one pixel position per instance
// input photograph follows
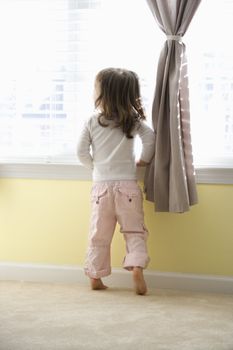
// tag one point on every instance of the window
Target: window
(210, 60)
(51, 51)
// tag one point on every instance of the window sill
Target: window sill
(78, 172)
(214, 175)
(45, 171)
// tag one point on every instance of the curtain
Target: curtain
(170, 178)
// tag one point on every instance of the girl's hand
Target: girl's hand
(141, 163)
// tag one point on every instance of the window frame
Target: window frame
(53, 171)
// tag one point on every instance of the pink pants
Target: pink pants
(112, 202)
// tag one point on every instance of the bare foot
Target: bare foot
(140, 284)
(97, 284)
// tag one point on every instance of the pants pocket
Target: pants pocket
(98, 193)
(130, 197)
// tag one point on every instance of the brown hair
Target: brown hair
(119, 99)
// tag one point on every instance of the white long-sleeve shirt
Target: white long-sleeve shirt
(110, 153)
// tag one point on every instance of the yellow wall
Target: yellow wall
(46, 221)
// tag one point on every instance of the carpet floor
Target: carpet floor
(36, 316)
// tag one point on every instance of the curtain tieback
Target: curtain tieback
(174, 37)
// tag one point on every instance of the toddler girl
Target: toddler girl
(106, 146)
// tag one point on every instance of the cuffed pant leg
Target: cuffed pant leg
(98, 260)
(130, 215)
(136, 250)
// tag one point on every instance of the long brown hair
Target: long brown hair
(119, 99)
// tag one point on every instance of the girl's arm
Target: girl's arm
(147, 137)
(84, 147)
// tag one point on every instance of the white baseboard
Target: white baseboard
(118, 278)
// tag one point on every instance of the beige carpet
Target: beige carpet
(37, 316)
